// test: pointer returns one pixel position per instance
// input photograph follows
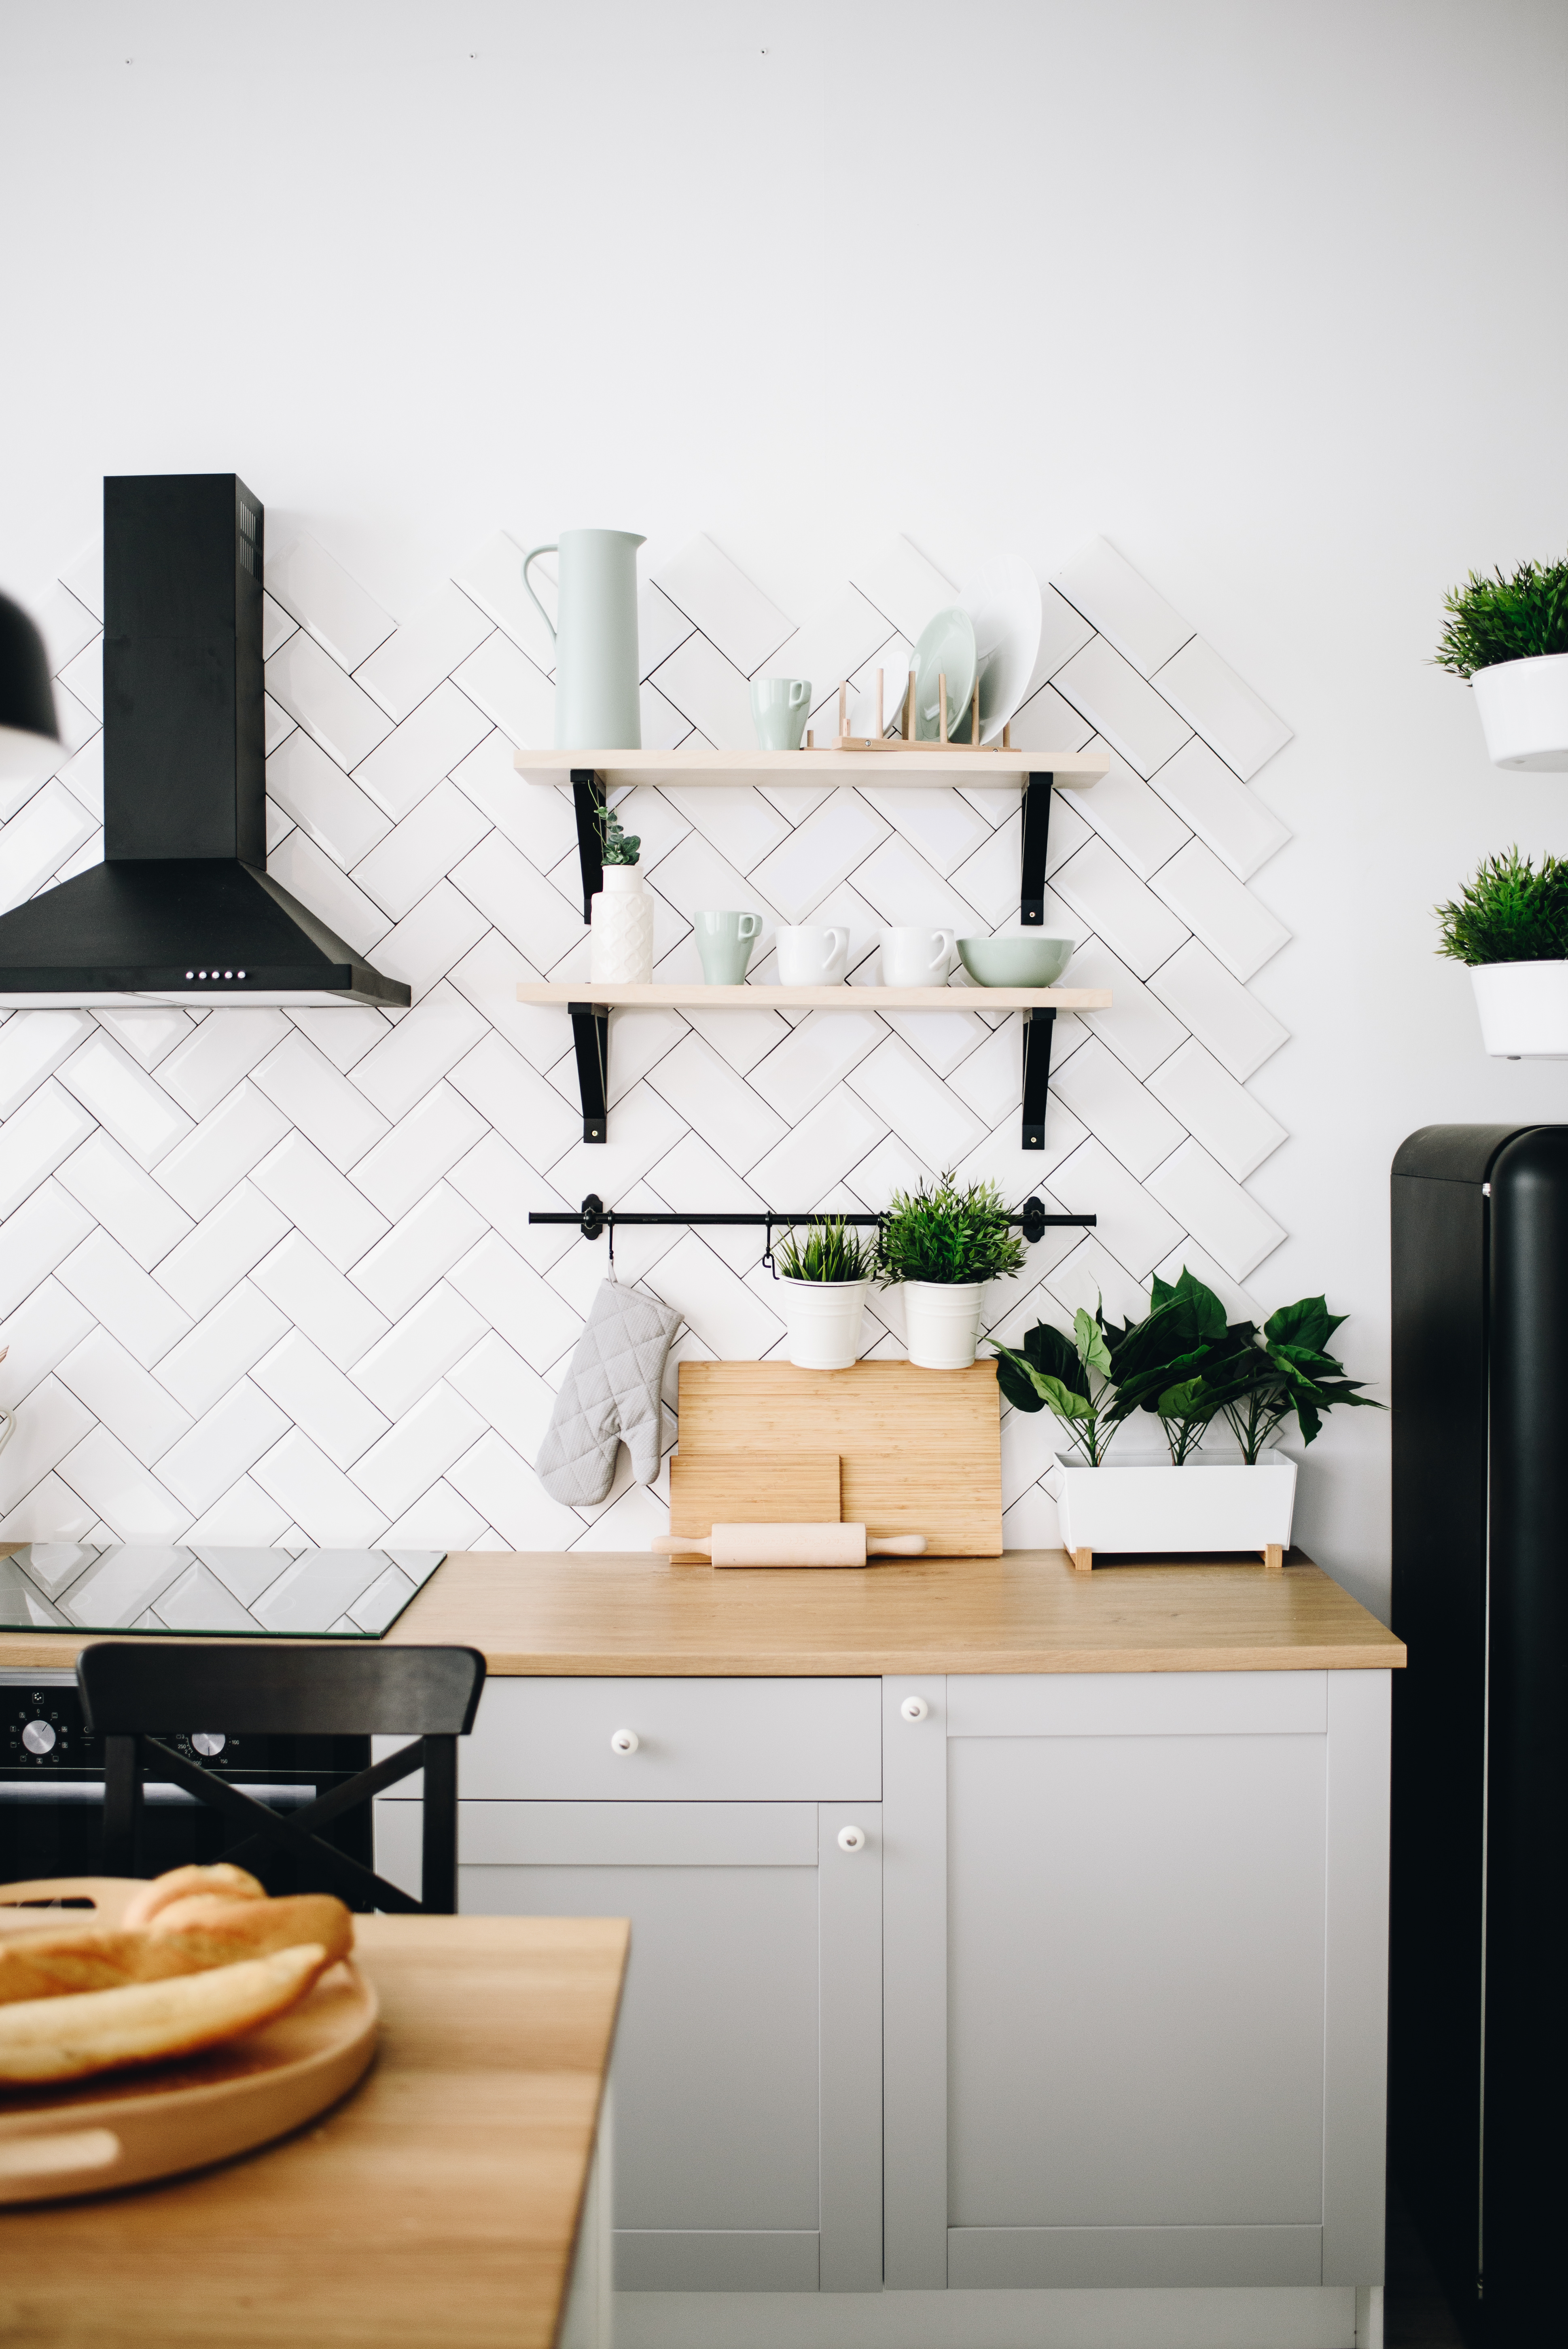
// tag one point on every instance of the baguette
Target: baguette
(189, 1937)
(235, 1883)
(49, 2039)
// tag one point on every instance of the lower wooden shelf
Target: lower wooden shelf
(589, 1008)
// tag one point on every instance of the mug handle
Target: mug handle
(800, 692)
(756, 922)
(532, 556)
(943, 955)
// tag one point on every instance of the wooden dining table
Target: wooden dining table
(442, 2201)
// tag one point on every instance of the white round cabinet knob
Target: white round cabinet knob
(624, 1741)
(914, 1708)
(852, 1838)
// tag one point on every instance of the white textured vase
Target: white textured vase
(621, 930)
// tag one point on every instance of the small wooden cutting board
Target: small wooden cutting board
(751, 1488)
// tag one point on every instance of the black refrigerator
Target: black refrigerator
(1479, 1985)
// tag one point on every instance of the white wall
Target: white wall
(1269, 294)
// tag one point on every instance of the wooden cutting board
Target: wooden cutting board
(752, 1488)
(918, 1451)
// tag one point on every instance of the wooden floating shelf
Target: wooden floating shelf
(932, 765)
(692, 997)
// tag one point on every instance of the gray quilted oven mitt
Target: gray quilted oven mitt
(609, 1394)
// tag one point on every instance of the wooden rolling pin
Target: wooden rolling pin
(819, 1544)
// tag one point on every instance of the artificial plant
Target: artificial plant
(949, 1235)
(831, 1251)
(1508, 912)
(1502, 619)
(1071, 1376)
(618, 847)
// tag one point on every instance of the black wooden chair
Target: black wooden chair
(137, 1696)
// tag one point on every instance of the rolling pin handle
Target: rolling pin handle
(895, 1544)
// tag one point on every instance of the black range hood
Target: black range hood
(183, 908)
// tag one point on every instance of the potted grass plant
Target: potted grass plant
(1510, 925)
(1185, 1365)
(941, 1245)
(1507, 638)
(825, 1280)
(620, 913)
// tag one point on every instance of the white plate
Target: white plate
(1003, 601)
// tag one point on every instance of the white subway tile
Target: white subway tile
(52, 826)
(45, 1228)
(898, 580)
(940, 825)
(277, 626)
(418, 853)
(418, 1151)
(902, 1091)
(715, 1302)
(224, 1148)
(1138, 1028)
(132, 1105)
(197, 1601)
(50, 1511)
(505, 1488)
(711, 692)
(73, 719)
(509, 691)
(315, 1296)
(53, 1421)
(32, 1047)
(439, 1519)
(309, 684)
(425, 1441)
(113, 1188)
(1220, 909)
(1091, 1276)
(990, 1081)
(1108, 897)
(221, 1446)
(829, 649)
(719, 599)
(221, 1348)
(314, 1394)
(422, 1246)
(1219, 1214)
(502, 1187)
(739, 823)
(307, 785)
(1232, 1127)
(222, 1249)
(502, 1388)
(1120, 705)
(515, 1302)
(440, 1329)
(659, 722)
(1047, 724)
(423, 948)
(1136, 822)
(1231, 718)
(82, 675)
(65, 626)
(224, 1048)
(1123, 1114)
(311, 877)
(826, 1142)
(344, 1035)
(428, 745)
(129, 1498)
(703, 1093)
(540, 821)
(83, 777)
(423, 651)
(812, 1058)
(902, 888)
(322, 1202)
(642, 1130)
(1232, 819)
(1131, 1223)
(534, 916)
(417, 1052)
(126, 1300)
(302, 1083)
(278, 725)
(491, 577)
(40, 1333)
(242, 1518)
(128, 1399)
(1119, 602)
(327, 1508)
(323, 596)
(1002, 1159)
(148, 1035)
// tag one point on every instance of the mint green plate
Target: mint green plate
(946, 648)
(1024, 959)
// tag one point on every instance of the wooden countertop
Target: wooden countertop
(437, 2202)
(543, 1611)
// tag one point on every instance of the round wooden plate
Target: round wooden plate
(92, 2136)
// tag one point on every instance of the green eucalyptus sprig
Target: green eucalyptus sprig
(1502, 619)
(1508, 912)
(619, 848)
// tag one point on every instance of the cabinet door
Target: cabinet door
(748, 2066)
(1137, 1975)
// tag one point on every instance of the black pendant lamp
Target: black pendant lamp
(28, 734)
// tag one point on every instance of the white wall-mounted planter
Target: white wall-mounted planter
(621, 930)
(824, 1320)
(1202, 1507)
(942, 1323)
(1523, 706)
(1524, 1009)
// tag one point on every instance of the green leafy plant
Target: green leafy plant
(1159, 1362)
(1287, 1368)
(1500, 619)
(949, 1234)
(1070, 1376)
(831, 1251)
(619, 848)
(1508, 912)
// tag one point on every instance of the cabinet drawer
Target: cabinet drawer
(697, 1741)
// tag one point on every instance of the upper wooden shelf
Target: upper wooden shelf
(1070, 770)
(693, 996)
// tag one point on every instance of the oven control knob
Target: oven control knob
(38, 1737)
(207, 1742)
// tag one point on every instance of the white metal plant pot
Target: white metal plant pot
(824, 1319)
(1206, 1505)
(1524, 1009)
(1523, 706)
(942, 1323)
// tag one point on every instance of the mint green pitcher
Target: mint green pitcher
(595, 640)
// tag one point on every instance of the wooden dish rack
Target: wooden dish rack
(905, 739)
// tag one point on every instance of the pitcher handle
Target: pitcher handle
(532, 555)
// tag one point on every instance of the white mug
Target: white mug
(912, 957)
(812, 954)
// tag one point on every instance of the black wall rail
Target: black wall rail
(595, 1220)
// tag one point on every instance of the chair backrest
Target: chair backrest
(136, 1695)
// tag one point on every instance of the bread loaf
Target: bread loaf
(235, 1883)
(189, 1936)
(50, 2039)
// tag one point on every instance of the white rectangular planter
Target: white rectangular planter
(1202, 1507)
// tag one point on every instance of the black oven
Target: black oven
(51, 1792)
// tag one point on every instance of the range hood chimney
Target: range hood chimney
(182, 909)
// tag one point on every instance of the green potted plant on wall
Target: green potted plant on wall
(1507, 638)
(825, 1280)
(941, 1245)
(1510, 925)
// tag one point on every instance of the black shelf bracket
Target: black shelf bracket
(1037, 836)
(1039, 1027)
(591, 1040)
(588, 798)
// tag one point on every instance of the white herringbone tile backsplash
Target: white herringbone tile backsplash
(268, 1277)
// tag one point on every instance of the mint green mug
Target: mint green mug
(779, 710)
(724, 942)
